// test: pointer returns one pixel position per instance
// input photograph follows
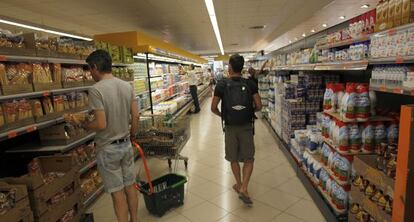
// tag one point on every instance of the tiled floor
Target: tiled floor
(277, 193)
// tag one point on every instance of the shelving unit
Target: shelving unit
(91, 199)
(361, 38)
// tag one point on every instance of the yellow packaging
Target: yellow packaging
(398, 12)
(391, 11)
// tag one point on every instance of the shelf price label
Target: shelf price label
(398, 91)
(412, 92)
(31, 129)
(392, 32)
(3, 58)
(46, 93)
(12, 134)
(399, 60)
(383, 88)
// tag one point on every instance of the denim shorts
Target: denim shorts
(116, 166)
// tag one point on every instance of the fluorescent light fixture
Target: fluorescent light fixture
(342, 17)
(365, 6)
(290, 41)
(304, 35)
(324, 25)
(313, 30)
(44, 30)
(213, 19)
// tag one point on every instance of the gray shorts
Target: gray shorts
(116, 166)
(239, 143)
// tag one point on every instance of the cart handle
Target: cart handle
(141, 153)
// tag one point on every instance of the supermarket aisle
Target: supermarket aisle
(277, 193)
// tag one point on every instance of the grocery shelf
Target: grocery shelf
(323, 205)
(392, 60)
(52, 149)
(401, 91)
(304, 67)
(142, 93)
(337, 116)
(361, 38)
(348, 153)
(344, 65)
(166, 99)
(30, 128)
(93, 196)
(43, 93)
(88, 167)
(17, 58)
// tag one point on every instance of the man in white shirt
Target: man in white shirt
(193, 82)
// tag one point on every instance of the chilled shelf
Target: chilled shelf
(52, 149)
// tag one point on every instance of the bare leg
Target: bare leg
(132, 198)
(235, 167)
(120, 205)
(247, 172)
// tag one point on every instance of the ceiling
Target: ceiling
(184, 23)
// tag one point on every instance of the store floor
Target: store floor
(277, 193)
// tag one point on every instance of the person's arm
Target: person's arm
(98, 110)
(214, 106)
(134, 118)
(99, 123)
(257, 102)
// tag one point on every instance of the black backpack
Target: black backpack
(237, 104)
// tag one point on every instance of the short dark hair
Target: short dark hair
(101, 59)
(237, 62)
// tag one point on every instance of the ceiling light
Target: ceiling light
(290, 41)
(213, 19)
(44, 30)
(324, 25)
(313, 30)
(304, 35)
(365, 6)
(342, 17)
(296, 39)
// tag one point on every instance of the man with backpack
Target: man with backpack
(239, 101)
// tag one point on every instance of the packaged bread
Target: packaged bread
(10, 111)
(2, 121)
(3, 76)
(47, 105)
(58, 104)
(53, 44)
(41, 73)
(24, 110)
(42, 43)
(57, 72)
(18, 73)
(37, 108)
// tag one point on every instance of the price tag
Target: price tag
(46, 93)
(398, 91)
(31, 129)
(12, 134)
(392, 32)
(383, 88)
(3, 58)
(412, 92)
(399, 60)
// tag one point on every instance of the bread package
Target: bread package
(37, 108)
(47, 105)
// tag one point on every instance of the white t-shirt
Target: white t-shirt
(192, 78)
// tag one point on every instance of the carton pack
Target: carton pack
(21, 211)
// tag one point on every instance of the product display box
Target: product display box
(365, 166)
(21, 210)
(61, 134)
(41, 191)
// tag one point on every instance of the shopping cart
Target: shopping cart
(164, 137)
(161, 194)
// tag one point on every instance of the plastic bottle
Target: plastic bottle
(362, 103)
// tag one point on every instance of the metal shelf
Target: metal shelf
(43, 93)
(17, 58)
(361, 38)
(303, 67)
(346, 153)
(392, 60)
(93, 196)
(52, 149)
(401, 91)
(27, 129)
(88, 167)
(345, 65)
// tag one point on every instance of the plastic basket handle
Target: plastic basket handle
(141, 153)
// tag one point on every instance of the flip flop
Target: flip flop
(235, 188)
(246, 199)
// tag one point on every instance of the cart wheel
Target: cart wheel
(186, 164)
(169, 163)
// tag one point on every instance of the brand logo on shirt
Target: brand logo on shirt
(238, 107)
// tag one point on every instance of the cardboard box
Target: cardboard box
(368, 205)
(21, 211)
(366, 166)
(391, 11)
(57, 135)
(57, 211)
(398, 12)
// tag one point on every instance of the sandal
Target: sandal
(246, 199)
(236, 189)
